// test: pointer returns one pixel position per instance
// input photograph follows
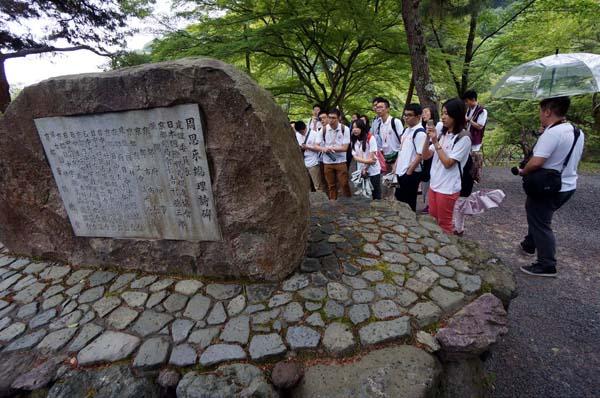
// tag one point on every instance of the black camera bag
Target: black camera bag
(547, 181)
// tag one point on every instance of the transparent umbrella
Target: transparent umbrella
(554, 76)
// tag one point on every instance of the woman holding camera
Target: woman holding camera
(450, 152)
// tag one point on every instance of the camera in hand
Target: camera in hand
(522, 163)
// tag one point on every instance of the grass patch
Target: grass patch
(432, 329)
(589, 167)
(486, 287)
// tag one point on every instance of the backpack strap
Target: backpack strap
(576, 133)
(456, 139)
(396, 130)
(415, 146)
(306, 138)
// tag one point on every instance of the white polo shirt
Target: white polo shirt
(443, 180)
(389, 140)
(407, 150)
(310, 124)
(371, 147)
(339, 136)
(311, 158)
(554, 145)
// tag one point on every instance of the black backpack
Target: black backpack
(466, 179)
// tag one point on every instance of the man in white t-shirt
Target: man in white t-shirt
(306, 140)
(552, 149)
(408, 164)
(388, 130)
(334, 148)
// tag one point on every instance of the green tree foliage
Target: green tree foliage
(95, 25)
(326, 52)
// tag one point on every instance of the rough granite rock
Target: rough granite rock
(286, 375)
(111, 382)
(237, 380)
(473, 329)
(263, 238)
(404, 371)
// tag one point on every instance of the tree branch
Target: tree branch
(49, 49)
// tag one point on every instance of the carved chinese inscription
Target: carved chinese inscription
(135, 174)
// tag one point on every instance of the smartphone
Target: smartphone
(430, 123)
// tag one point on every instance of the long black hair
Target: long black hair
(364, 132)
(457, 110)
(435, 115)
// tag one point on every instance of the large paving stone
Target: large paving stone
(150, 322)
(175, 302)
(180, 329)
(188, 287)
(403, 371)
(100, 278)
(56, 340)
(197, 307)
(338, 338)
(105, 305)
(109, 347)
(135, 299)
(426, 313)
(86, 334)
(121, 317)
(152, 353)
(203, 337)
(54, 272)
(109, 382)
(383, 309)
(26, 341)
(448, 300)
(237, 380)
(30, 293)
(92, 294)
(236, 330)
(217, 314)
(379, 332)
(266, 345)
(12, 331)
(220, 353)
(359, 313)
(302, 337)
(183, 355)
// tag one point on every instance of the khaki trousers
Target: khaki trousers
(315, 176)
(336, 176)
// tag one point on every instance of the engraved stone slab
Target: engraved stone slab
(133, 174)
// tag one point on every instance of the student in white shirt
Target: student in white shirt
(364, 150)
(450, 151)
(314, 123)
(388, 130)
(550, 152)
(307, 139)
(430, 112)
(334, 146)
(408, 165)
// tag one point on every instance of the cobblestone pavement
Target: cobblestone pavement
(373, 273)
(552, 347)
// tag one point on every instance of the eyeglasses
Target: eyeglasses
(408, 115)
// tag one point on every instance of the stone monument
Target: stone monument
(185, 167)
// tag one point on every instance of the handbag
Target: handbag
(547, 181)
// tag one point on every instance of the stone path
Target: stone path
(551, 349)
(373, 273)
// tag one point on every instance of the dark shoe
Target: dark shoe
(538, 270)
(526, 250)
(458, 233)
(425, 210)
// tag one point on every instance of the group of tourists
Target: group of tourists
(441, 158)
(396, 157)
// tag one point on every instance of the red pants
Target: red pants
(441, 207)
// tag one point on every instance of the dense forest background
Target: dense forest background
(342, 53)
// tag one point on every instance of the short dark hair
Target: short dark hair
(316, 106)
(416, 108)
(470, 94)
(456, 109)
(377, 99)
(558, 105)
(323, 111)
(336, 112)
(299, 125)
(384, 101)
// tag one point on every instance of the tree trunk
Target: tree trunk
(464, 83)
(418, 52)
(4, 87)
(411, 90)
